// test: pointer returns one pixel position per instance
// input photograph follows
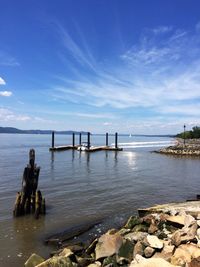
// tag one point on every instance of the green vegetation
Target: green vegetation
(194, 133)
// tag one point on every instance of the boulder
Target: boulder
(148, 252)
(136, 236)
(126, 251)
(180, 220)
(153, 228)
(132, 221)
(108, 245)
(95, 264)
(185, 253)
(57, 261)
(185, 234)
(194, 263)
(138, 249)
(154, 242)
(33, 260)
(66, 252)
(152, 262)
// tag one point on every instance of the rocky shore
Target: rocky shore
(162, 236)
(191, 147)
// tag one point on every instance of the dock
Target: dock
(88, 147)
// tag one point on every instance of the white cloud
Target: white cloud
(7, 115)
(5, 93)
(2, 81)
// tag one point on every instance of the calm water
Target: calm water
(79, 186)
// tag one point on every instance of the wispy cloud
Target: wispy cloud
(81, 54)
(160, 74)
(5, 93)
(8, 60)
(2, 81)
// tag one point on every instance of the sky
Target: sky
(131, 66)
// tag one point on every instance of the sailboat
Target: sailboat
(130, 135)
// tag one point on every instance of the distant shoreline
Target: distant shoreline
(12, 130)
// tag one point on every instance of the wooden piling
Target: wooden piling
(106, 139)
(52, 143)
(80, 141)
(73, 139)
(88, 142)
(116, 140)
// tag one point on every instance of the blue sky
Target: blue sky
(131, 66)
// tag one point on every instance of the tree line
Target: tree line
(194, 133)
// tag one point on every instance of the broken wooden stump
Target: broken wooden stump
(29, 200)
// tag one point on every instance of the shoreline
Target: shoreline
(163, 235)
(191, 147)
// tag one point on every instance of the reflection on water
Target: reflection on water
(82, 186)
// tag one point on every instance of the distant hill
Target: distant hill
(11, 130)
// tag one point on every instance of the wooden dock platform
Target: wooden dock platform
(91, 149)
(87, 146)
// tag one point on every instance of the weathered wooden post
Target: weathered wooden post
(88, 142)
(116, 140)
(106, 139)
(52, 143)
(73, 139)
(80, 141)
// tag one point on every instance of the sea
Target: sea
(81, 187)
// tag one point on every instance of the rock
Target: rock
(154, 242)
(82, 262)
(176, 238)
(194, 263)
(153, 228)
(66, 252)
(138, 249)
(152, 262)
(90, 249)
(180, 257)
(180, 220)
(33, 260)
(110, 260)
(189, 220)
(185, 253)
(148, 252)
(198, 233)
(108, 245)
(140, 228)
(137, 236)
(95, 264)
(132, 221)
(57, 261)
(123, 231)
(184, 235)
(166, 253)
(126, 251)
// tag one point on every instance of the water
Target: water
(80, 187)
